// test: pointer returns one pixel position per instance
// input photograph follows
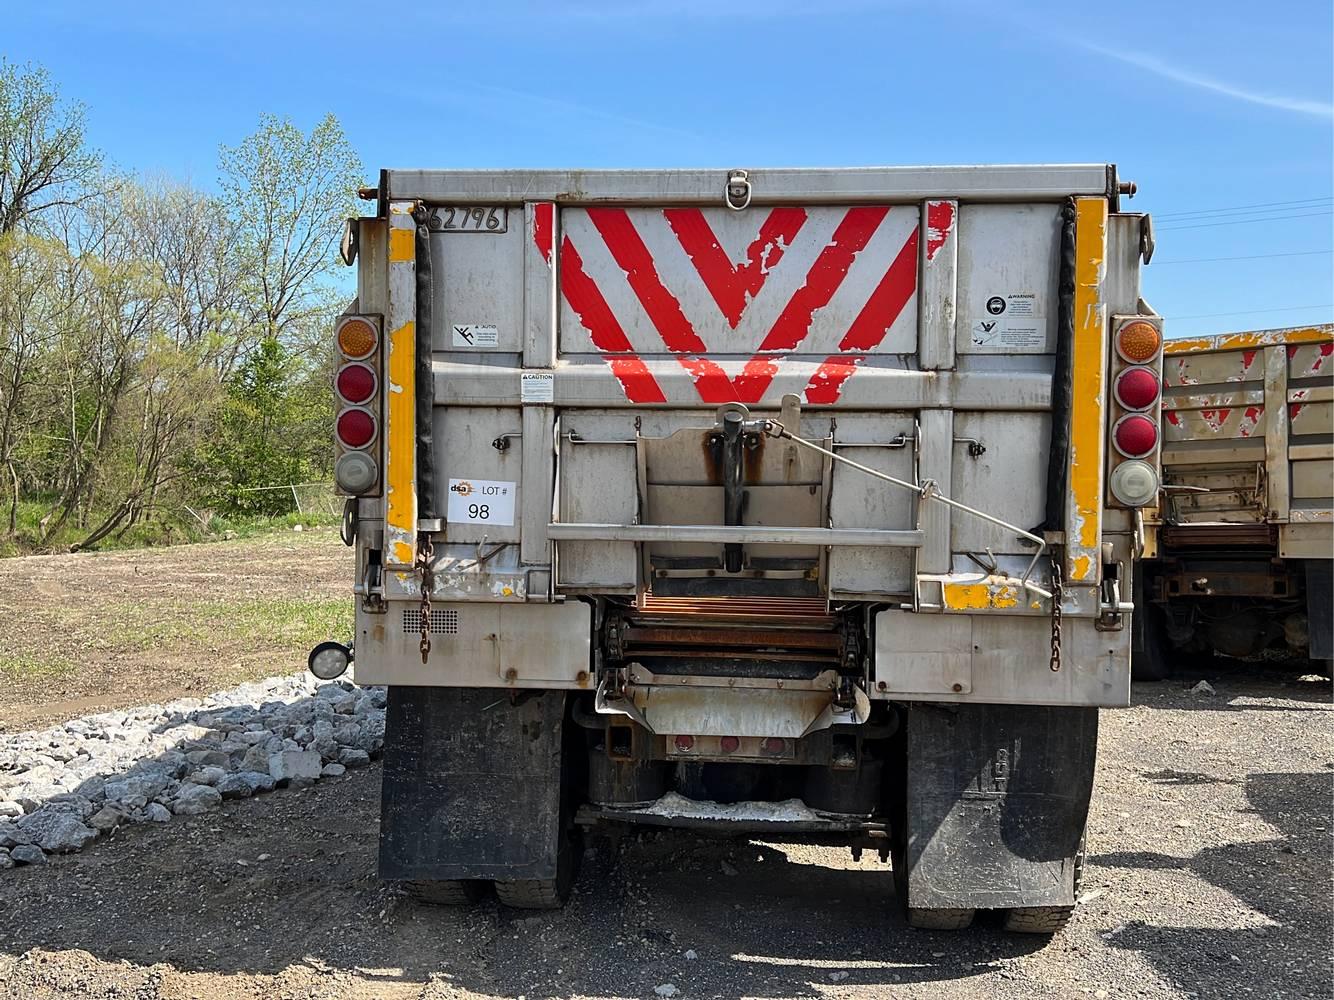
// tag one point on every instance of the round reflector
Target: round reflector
(1139, 341)
(356, 338)
(684, 744)
(355, 428)
(355, 473)
(1135, 435)
(729, 744)
(329, 660)
(355, 383)
(1134, 483)
(1137, 388)
(774, 745)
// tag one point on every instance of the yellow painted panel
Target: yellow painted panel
(1088, 430)
(980, 596)
(402, 245)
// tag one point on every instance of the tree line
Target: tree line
(164, 349)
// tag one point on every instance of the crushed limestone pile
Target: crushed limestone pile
(62, 787)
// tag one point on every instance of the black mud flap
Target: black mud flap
(997, 798)
(1320, 607)
(472, 784)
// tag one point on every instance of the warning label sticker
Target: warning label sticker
(537, 387)
(480, 501)
(474, 335)
(1014, 322)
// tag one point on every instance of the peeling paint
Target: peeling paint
(992, 592)
(1087, 423)
(939, 225)
(1251, 339)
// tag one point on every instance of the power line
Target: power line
(1242, 208)
(1254, 256)
(1240, 222)
(1252, 312)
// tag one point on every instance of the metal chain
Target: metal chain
(426, 576)
(1057, 595)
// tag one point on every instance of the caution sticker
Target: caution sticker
(480, 501)
(537, 387)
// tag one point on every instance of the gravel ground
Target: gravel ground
(1209, 876)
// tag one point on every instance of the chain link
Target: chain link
(1057, 596)
(426, 576)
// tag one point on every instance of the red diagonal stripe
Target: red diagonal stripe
(544, 227)
(733, 286)
(632, 255)
(886, 302)
(588, 304)
(827, 383)
(824, 277)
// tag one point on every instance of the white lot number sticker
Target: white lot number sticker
(1012, 323)
(537, 387)
(475, 335)
(480, 501)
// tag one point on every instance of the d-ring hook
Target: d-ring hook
(736, 195)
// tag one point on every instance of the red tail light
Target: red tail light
(1135, 435)
(1137, 388)
(355, 428)
(355, 383)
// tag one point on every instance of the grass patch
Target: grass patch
(217, 626)
(167, 528)
(33, 666)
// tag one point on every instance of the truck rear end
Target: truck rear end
(1239, 556)
(785, 503)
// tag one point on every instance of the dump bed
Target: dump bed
(657, 409)
(1248, 436)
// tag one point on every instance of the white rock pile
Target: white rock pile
(61, 788)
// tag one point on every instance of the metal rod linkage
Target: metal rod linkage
(927, 490)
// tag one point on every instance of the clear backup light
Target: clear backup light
(355, 473)
(1135, 435)
(1134, 483)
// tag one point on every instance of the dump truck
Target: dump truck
(1239, 552)
(796, 504)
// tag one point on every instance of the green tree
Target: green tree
(45, 161)
(288, 194)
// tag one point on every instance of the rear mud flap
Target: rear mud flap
(997, 798)
(472, 784)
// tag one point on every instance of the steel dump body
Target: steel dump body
(741, 467)
(1247, 519)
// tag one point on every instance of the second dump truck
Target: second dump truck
(789, 503)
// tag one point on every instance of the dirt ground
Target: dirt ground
(93, 631)
(1209, 876)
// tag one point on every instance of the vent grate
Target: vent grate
(444, 621)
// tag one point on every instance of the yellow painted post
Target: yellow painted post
(1088, 430)
(400, 439)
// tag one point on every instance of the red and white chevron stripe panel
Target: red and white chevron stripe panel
(750, 304)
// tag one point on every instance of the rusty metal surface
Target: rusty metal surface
(1205, 536)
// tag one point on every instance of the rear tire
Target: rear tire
(1047, 920)
(447, 892)
(545, 893)
(1038, 919)
(941, 919)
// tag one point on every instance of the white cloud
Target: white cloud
(1168, 71)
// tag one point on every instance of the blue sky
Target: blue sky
(1211, 108)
